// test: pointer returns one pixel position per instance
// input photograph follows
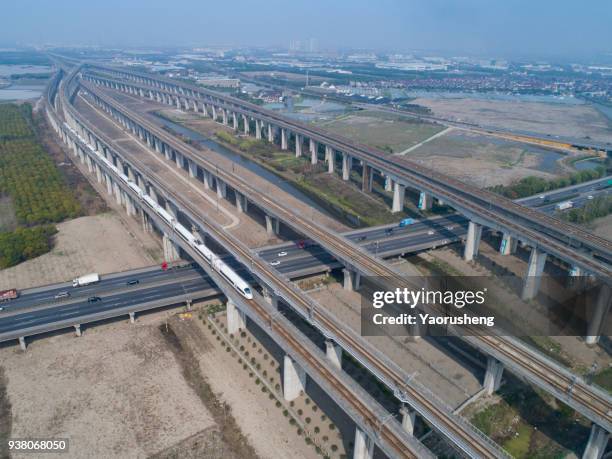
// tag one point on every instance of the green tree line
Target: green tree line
(598, 207)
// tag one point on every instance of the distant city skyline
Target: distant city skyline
(511, 29)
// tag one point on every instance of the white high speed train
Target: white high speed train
(213, 260)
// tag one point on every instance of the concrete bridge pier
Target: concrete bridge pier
(367, 176)
(77, 330)
(132, 317)
(178, 159)
(234, 121)
(117, 193)
(99, 173)
(330, 158)
(171, 250)
(284, 139)
(193, 169)
(352, 279)
(272, 225)
(408, 419)
(207, 180)
(245, 124)
(425, 201)
(399, 192)
(313, 152)
(598, 440)
(235, 318)
(472, 241)
(364, 446)
(241, 202)
(221, 188)
(493, 375)
(270, 134)
(347, 165)
(388, 183)
(533, 276)
(294, 379)
(146, 223)
(224, 114)
(214, 113)
(299, 140)
(109, 184)
(508, 244)
(598, 314)
(334, 353)
(258, 129)
(22, 343)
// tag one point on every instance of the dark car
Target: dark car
(94, 299)
(361, 238)
(133, 282)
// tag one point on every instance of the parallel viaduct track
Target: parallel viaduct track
(483, 203)
(462, 433)
(530, 363)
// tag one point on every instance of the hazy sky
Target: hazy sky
(488, 27)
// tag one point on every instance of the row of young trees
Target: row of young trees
(36, 187)
(13, 121)
(25, 243)
(34, 183)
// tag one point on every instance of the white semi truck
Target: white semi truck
(86, 280)
(564, 205)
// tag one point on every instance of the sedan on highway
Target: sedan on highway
(275, 263)
(282, 254)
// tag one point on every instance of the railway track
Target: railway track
(413, 171)
(529, 362)
(472, 441)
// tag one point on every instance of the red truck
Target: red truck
(6, 295)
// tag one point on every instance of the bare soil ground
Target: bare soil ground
(603, 227)
(115, 392)
(565, 120)
(486, 161)
(387, 132)
(98, 243)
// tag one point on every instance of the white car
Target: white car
(589, 197)
(275, 263)
(430, 232)
(282, 254)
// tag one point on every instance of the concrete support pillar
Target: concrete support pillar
(207, 179)
(272, 225)
(245, 124)
(330, 158)
(364, 446)
(352, 280)
(99, 173)
(77, 330)
(235, 318)
(284, 140)
(193, 169)
(388, 183)
(472, 241)
(533, 276)
(425, 201)
(367, 177)
(313, 152)
(408, 419)
(146, 223)
(234, 121)
(258, 129)
(347, 164)
(294, 379)
(241, 202)
(493, 375)
(399, 191)
(598, 440)
(179, 159)
(117, 193)
(224, 113)
(132, 317)
(270, 134)
(334, 354)
(214, 113)
(109, 184)
(299, 140)
(597, 316)
(22, 343)
(171, 251)
(508, 244)
(221, 188)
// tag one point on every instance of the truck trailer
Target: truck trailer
(86, 280)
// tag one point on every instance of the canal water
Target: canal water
(244, 162)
